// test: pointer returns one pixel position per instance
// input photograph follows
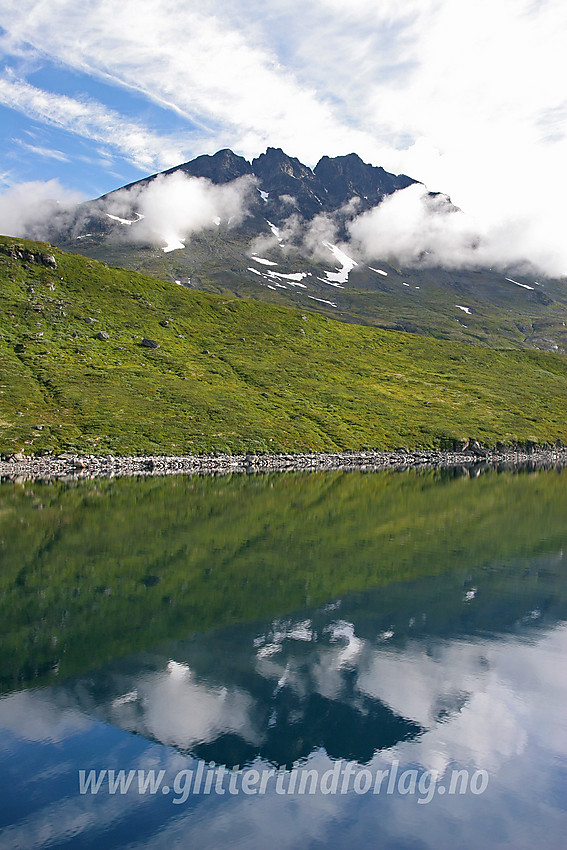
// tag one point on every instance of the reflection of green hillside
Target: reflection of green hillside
(92, 571)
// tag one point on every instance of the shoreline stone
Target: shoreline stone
(69, 466)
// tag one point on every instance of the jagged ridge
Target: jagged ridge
(332, 183)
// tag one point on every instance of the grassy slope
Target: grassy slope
(104, 568)
(296, 381)
(502, 314)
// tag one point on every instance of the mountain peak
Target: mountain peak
(348, 176)
(276, 160)
(221, 167)
(330, 185)
(281, 174)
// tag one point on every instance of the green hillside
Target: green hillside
(233, 375)
(418, 300)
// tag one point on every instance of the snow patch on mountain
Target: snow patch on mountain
(378, 271)
(330, 282)
(523, 285)
(464, 309)
(293, 279)
(263, 261)
(347, 264)
(173, 245)
(322, 300)
(128, 221)
(275, 230)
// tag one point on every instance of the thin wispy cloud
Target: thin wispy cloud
(90, 120)
(46, 153)
(192, 62)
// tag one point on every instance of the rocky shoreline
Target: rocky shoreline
(472, 460)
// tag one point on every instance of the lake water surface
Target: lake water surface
(303, 660)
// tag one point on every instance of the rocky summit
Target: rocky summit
(333, 182)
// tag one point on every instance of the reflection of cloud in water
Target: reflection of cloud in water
(41, 716)
(171, 707)
(493, 704)
(287, 823)
(475, 702)
(479, 701)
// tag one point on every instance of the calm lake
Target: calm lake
(321, 660)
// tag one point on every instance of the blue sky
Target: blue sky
(469, 98)
(34, 148)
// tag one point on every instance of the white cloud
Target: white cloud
(170, 208)
(469, 100)
(28, 208)
(45, 153)
(91, 120)
(322, 229)
(413, 228)
(190, 61)
(175, 206)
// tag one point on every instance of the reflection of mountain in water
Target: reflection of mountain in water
(298, 727)
(354, 677)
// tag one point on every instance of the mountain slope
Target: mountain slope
(221, 168)
(285, 250)
(236, 375)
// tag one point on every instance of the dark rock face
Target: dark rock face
(348, 176)
(276, 164)
(280, 174)
(330, 185)
(149, 343)
(222, 167)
